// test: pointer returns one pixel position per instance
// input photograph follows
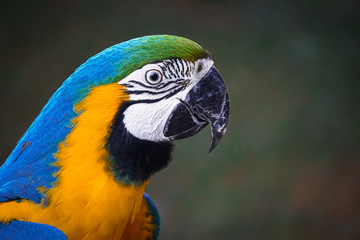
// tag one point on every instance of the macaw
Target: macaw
(80, 170)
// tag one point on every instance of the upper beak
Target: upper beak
(207, 102)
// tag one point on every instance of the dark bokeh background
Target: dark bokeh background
(288, 167)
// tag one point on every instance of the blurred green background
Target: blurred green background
(288, 167)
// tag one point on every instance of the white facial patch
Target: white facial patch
(153, 99)
(147, 121)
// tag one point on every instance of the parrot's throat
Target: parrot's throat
(133, 160)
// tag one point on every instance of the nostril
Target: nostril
(200, 67)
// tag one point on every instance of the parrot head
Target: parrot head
(175, 98)
(173, 94)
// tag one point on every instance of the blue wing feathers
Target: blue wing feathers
(155, 214)
(19, 230)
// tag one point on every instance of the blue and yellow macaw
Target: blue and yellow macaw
(80, 170)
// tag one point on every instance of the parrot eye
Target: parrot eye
(153, 76)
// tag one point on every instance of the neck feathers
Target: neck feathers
(134, 160)
(83, 150)
(100, 135)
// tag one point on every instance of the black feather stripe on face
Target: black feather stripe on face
(131, 159)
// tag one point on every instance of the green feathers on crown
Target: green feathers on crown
(148, 49)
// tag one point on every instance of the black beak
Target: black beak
(207, 102)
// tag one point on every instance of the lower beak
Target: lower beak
(207, 102)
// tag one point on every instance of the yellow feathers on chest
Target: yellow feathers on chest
(86, 202)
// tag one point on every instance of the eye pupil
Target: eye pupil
(154, 76)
